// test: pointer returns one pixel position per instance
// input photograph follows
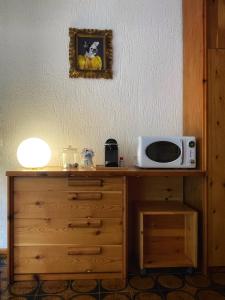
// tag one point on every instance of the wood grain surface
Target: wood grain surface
(60, 204)
(74, 231)
(41, 259)
(216, 183)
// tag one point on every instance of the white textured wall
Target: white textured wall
(38, 99)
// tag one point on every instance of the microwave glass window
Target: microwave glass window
(163, 152)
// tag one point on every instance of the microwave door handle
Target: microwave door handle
(182, 152)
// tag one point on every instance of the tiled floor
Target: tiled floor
(166, 286)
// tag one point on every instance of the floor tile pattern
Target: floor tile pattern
(156, 286)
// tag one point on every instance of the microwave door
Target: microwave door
(167, 153)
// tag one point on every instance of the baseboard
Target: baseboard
(3, 251)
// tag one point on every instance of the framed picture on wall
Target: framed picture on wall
(90, 53)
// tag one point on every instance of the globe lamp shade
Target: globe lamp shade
(33, 153)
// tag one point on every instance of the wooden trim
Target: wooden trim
(132, 171)
(205, 128)
(195, 80)
(205, 225)
(125, 228)
(205, 91)
(10, 186)
(141, 240)
(71, 276)
(195, 75)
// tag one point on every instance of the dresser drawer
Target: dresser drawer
(50, 204)
(67, 259)
(103, 231)
(68, 184)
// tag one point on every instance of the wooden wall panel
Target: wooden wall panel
(216, 24)
(194, 75)
(156, 189)
(216, 185)
(195, 196)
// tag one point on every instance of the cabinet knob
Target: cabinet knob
(74, 196)
(85, 251)
(85, 196)
(85, 182)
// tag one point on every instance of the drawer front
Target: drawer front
(68, 184)
(67, 259)
(49, 204)
(103, 231)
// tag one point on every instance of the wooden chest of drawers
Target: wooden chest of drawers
(67, 227)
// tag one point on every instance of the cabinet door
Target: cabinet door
(216, 142)
(216, 19)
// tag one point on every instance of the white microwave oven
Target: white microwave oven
(166, 152)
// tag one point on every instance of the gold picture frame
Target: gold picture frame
(90, 53)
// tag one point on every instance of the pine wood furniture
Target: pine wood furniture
(67, 225)
(73, 224)
(168, 235)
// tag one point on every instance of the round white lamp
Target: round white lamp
(33, 153)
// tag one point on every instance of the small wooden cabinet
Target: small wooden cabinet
(67, 227)
(168, 235)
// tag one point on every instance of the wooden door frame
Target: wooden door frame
(195, 81)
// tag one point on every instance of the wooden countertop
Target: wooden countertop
(103, 171)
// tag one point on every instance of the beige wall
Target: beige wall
(38, 99)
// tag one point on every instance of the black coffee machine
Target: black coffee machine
(111, 153)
